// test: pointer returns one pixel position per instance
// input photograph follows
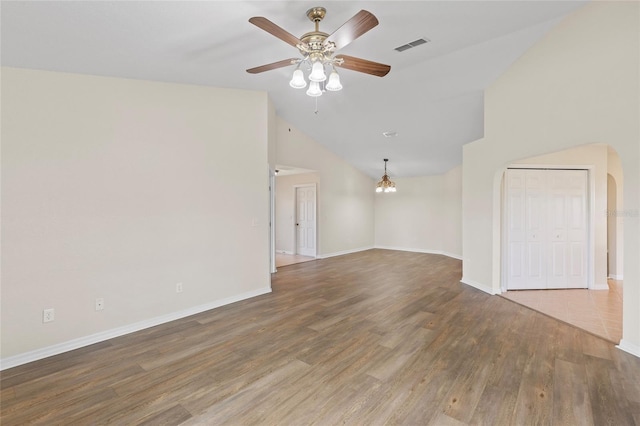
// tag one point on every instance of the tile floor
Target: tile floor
(596, 311)
(290, 259)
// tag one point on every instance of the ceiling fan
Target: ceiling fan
(318, 49)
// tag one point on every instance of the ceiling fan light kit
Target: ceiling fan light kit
(298, 81)
(317, 72)
(334, 82)
(314, 89)
(318, 50)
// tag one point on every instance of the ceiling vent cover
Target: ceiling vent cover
(414, 43)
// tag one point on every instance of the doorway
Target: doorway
(599, 308)
(288, 180)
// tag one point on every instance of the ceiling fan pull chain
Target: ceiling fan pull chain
(316, 111)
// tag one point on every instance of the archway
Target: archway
(602, 309)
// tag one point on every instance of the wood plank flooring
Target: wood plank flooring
(377, 337)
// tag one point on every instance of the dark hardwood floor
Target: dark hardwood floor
(377, 337)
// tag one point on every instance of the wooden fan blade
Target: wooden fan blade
(362, 65)
(275, 30)
(273, 66)
(361, 22)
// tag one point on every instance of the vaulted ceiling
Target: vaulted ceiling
(432, 98)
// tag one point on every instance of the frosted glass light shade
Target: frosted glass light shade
(317, 72)
(314, 89)
(297, 81)
(334, 82)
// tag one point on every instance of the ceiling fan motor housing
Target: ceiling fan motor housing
(313, 43)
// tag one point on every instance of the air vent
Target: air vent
(414, 43)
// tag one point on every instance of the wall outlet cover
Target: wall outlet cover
(48, 315)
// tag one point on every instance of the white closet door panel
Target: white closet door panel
(536, 206)
(516, 230)
(557, 212)
(526, 263)
(577, 229)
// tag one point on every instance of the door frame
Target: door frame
(591, 231)
(272, 221)
(295, 215)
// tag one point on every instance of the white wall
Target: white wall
(345, 195)
(578, 85)
(285, 208)
(452, 209)
(424, 215)
(411, 218)
(120, 189)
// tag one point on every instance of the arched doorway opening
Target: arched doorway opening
(597, 309)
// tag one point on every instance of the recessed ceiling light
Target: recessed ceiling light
(390, 134)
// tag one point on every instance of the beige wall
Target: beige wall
(285, 208)
(452, 226)
(345, 195)
(579, 85)
(272, 132)
(120, 189)
(424, 215)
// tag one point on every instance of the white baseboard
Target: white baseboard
(284, 252)
(70, 345)
(616, 277)
(453, 256)
(414, 250)
(604, 286)
(340, 253)
(629, 347)
(477, 285)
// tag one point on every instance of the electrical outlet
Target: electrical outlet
(48, 315)
(99, 304)
(179, 288)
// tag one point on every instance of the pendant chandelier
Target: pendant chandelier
(385, 184)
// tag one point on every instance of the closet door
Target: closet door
(567, 229)
(546, 226)
(526, 207)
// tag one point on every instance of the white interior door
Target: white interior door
(306, 220)
(547, 228)
(567, 230)
(526, 268)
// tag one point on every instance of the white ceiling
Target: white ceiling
(433, 96)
